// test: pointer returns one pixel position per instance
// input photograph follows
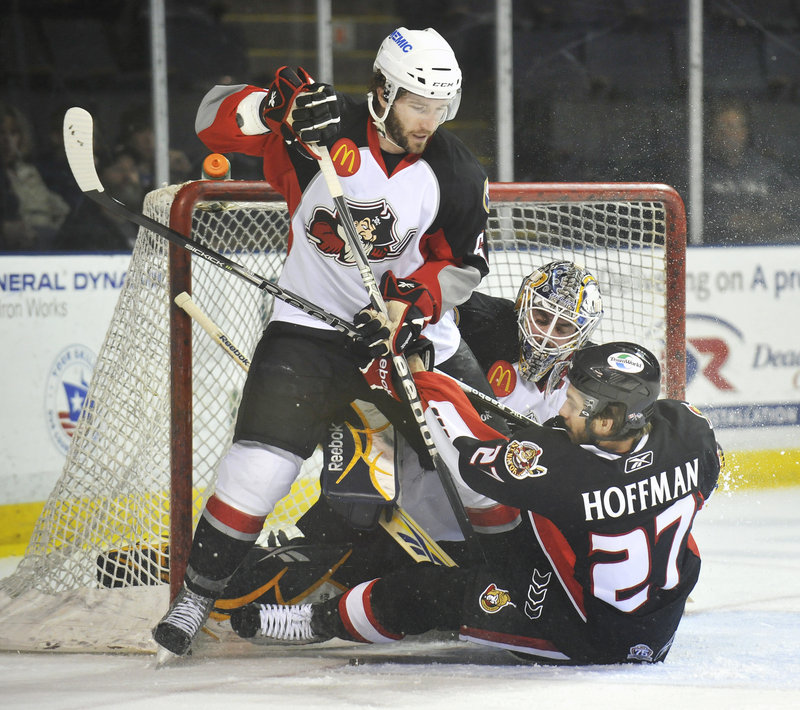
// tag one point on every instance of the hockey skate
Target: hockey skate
(186, 616)
(286, 624)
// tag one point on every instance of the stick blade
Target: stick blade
(79, 147)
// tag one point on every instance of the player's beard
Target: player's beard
(396, 134)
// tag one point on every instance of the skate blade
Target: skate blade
(165, 657)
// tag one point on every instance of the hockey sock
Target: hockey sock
(222, 538)
(412, 601)
(351, 617)
(421, 598)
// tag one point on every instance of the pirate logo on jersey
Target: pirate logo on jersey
(375, 224)
(522, 460)
(493, 599)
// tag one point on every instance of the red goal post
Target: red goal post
(644, 225)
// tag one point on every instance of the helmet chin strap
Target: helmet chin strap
(380, 121)
(385, 134)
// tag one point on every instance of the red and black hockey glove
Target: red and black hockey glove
(280, 98)
(410, 306)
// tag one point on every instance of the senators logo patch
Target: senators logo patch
(375, 223)
(493, 599)
(503, 378)
(522, 460)
(345, 157)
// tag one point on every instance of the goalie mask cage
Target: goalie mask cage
(162, 400)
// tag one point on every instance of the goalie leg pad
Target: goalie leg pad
(358, 474)
(285, 575)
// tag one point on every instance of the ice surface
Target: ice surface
(737, 647)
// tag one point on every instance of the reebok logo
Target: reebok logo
(639, 461)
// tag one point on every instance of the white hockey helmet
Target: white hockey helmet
(419, 61)
(558, 293)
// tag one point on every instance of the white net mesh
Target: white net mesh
(622, 243)
(106, 523)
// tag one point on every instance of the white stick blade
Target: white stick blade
(78, 144)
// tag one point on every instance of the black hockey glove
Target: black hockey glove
(410, 306)
(426, 351)
(315, 118)
(280, 97)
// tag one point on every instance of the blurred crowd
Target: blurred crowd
(41, 206)
(581, 113)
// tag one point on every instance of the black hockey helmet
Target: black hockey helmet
(618, 372)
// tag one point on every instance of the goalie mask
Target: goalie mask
(617, 373)
(558, 308)
(421, 62)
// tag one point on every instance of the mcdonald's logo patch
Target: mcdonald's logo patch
(345, 157)
(503, 378)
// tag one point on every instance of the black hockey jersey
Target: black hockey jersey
(488, 324)
(616, 529)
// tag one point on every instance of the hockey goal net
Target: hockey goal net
(163, 397)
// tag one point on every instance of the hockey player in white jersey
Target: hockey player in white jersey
(420, 200)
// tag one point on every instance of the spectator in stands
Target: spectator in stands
(32, 213)
(93, 228)
(748, 197)
(138, 137)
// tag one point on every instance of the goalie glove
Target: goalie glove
(410, 307)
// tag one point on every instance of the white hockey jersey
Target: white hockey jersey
(422, 218)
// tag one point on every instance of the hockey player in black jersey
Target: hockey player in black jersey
(601, 567)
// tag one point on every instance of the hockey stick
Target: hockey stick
(398, 359)
(401, 526)
(78, 142)
(184, 301)
(478, 397)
